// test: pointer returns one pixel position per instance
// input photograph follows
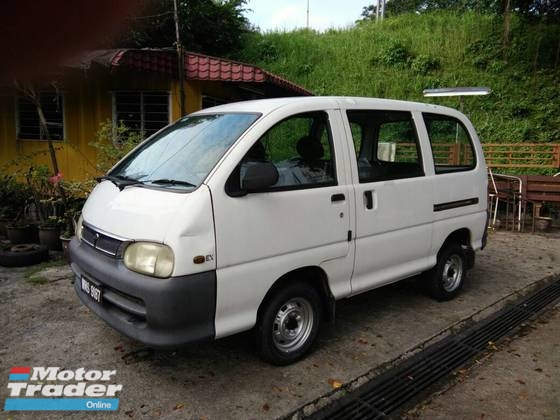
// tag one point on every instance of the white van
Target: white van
(262, 214)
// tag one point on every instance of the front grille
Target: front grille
(102, 242)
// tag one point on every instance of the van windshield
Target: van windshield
(182, 155)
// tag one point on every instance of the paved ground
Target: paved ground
(44, 324)
(519, 381)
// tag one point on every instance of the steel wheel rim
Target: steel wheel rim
(292, 324)
(452, 273)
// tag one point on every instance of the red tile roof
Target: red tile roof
(197, 66)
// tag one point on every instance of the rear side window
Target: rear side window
(386, 145)
(451, 144)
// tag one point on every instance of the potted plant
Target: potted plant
(72, 212)
(544, 223)
(4, 220)
(13, 198)
(22, 232)
(49, 233)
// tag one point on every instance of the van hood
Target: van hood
(183, 221)
(135, 213)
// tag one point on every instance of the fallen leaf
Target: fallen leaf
(538, 370)
(179, 406)
(492, 346)
(519, 381)
(335, 383)
(362, 341)
(129, 413)
(266, 407)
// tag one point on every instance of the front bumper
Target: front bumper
(160, 313)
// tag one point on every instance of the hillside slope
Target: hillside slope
(406, 54)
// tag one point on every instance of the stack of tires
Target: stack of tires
(20, 253)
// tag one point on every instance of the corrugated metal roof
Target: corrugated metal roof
(197, 66)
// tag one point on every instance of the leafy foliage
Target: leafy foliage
(528, 8)
(397, 59)
(207, 26)
(13, 196)
(113, 143)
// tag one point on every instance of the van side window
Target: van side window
(451, 144)
(301, 149)
(386, 145)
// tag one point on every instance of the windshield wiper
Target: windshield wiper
(166, 181)
(120, 181)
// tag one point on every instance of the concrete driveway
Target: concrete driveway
(43, 323)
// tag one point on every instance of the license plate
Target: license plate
(91, 289)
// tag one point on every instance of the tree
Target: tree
(215, 27)
(528, 8)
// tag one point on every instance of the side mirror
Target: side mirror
(259, 176)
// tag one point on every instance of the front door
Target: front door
(302, 220)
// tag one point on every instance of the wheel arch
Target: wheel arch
(461, 237)
(314, 276)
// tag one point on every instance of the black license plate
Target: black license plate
(91, 289)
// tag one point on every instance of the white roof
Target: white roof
(265, 106)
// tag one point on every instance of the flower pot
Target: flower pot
(49, 236)
(65, 244)
(22, 234)
(543, 224)
(4, 227)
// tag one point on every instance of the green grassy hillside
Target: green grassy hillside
(406, 54)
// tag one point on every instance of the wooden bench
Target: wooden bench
(540, 190)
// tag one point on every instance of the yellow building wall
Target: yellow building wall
(87, 101)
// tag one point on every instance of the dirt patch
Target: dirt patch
(44, 324)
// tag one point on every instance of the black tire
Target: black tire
(23, 255)
(288, 323)
(445, 280)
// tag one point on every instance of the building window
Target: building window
(28, 123)
(143, 112)
(209, 101)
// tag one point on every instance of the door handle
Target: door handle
(337, 197)
(369, 199)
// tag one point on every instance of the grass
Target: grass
(408, 53)
(31, 274)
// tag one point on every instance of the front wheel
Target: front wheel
(288, 324)
(445, 280)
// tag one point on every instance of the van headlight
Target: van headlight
(149, 258)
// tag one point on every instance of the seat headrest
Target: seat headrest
(310, 148)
